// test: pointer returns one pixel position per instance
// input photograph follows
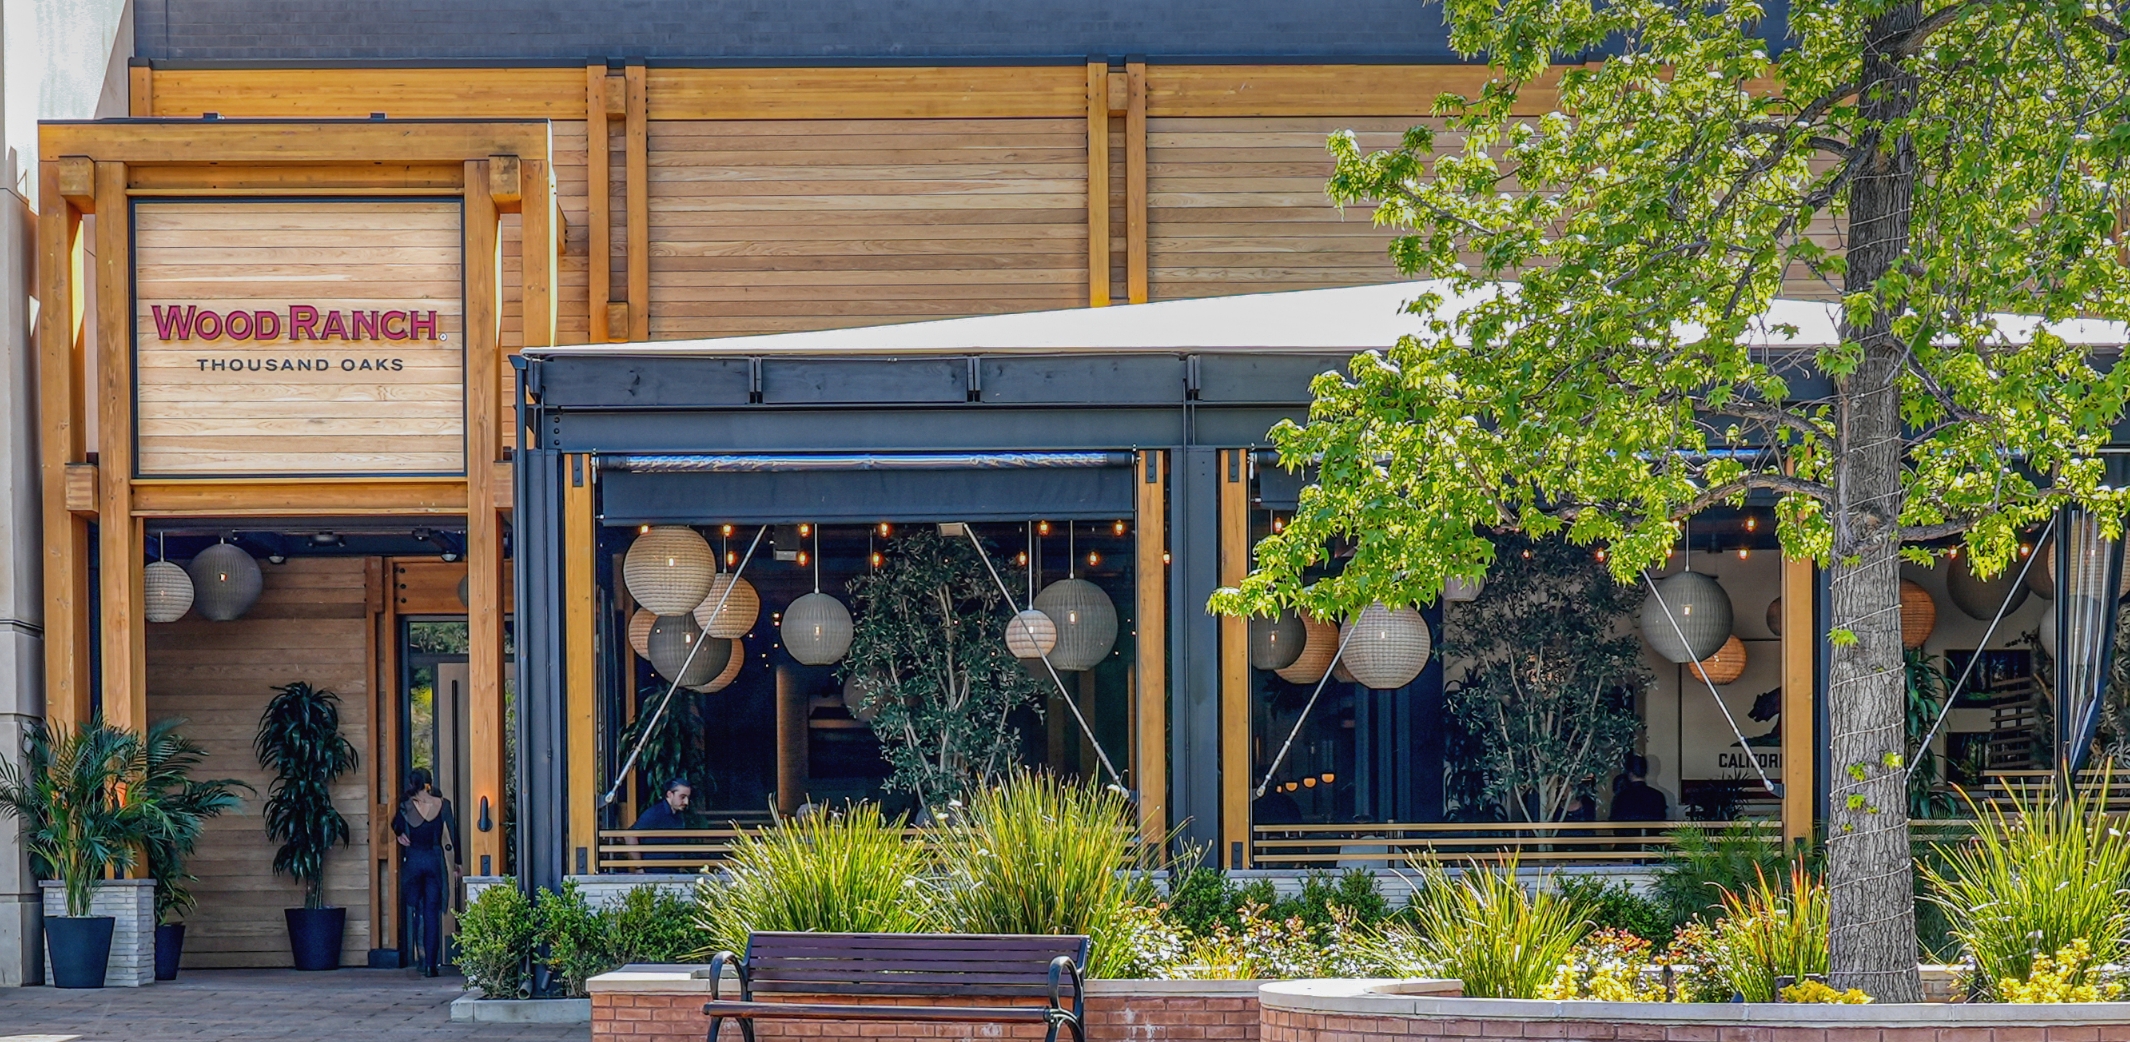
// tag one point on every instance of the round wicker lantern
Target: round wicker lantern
(1320, 642)
(225, 583)
(858, 694)
(737, 657)
(1085, 619)
(2041, 578)
(1455, 589)
(1340, 673)
(817, 629)
(1919, 614)
(640, 631)
(1389, 647)
(1725, 666)
(1031, 635)
(672, 639)
(2047, 633)
(742, 607)
(1981, 598)
(466, 590)
(1275, 643)
(166, 592)
(1775, 616)
(669, 569)
(1689, 605)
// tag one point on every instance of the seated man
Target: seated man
(666, 814)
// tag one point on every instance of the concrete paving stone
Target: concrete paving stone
(262, 1005)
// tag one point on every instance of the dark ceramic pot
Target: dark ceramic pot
(169, 948)
(80, 948)
(314, 936)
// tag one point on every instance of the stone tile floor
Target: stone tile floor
(258, 1005)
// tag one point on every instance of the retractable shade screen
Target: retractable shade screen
(865, 488)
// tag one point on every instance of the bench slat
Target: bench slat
(839, 1011)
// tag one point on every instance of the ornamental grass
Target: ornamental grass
(1485, 927)
(1772, 931)
(846, 871)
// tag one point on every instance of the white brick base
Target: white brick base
(132, 903)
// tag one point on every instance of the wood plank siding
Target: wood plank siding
(310, 624)
(771, 225)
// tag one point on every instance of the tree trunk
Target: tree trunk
(1870, 872)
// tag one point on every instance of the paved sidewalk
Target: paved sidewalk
(255, 1005)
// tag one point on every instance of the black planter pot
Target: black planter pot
(80, 949)
(169, 947)
(314, 936)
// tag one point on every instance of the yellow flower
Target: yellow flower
(1821, 992)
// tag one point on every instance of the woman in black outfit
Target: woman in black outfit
(424, 825)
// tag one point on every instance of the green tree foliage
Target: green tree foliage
(1551, 676)
(1930, 166)
(930, 642)
(299, 740)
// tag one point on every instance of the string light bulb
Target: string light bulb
(732, 558)
(1164, 557)
(1093, 558)
(1021, 558)
(1042, 528)
(728, 530)
(886, 530)
(1752, 523)
(878, 560)
(1278, 525)
(1117, 527)
(643, 529)
(805, 559)
(1744, 552)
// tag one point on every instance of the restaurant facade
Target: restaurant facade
(464, 358)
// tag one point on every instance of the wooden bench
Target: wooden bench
(899, 965)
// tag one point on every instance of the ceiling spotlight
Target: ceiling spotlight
(277, 557)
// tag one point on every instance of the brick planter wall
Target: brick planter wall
(132, 903)
(1376, 1011)
(663, 1004)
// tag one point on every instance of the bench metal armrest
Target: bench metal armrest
(1061, 967)
(718, 963)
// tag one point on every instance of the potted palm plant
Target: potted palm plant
(69, 791)
(299, 741)
(183, 806)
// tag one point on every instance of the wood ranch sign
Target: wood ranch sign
(296, 338)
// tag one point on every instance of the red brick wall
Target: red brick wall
(1288, 1026)
(645, 1017)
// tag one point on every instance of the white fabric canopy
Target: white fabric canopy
(1348, 319)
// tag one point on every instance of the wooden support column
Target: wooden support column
(484, 537)
(1800, 677)
(140, 91)
(383, 782)
(792, 766)
(1234, 481)
(61, 442)
(1098, 184)
(386, 852)
(580, 615)
(1150, 768)
(536, 190)
(637, 159)
(598, 259)
(1135, 183)
(119, 534)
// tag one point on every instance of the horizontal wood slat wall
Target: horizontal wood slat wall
(310, 624)
(268, 257)
(768, 225)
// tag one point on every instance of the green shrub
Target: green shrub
(495, 938)
(653, 924)
(570, 938)
(1769, 931)
(1700, 867)
(1616, 906)
(1503, 939)
(1203, 899)
(846, 871)
(1038, 855)
(2032, 882)
(1352, 894)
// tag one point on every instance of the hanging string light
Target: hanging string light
(1030, 634)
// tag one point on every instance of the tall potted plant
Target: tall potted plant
(300, 742)
(69, 791)
(183, 805)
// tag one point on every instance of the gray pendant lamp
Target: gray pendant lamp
(166, 591)
(1389, 647)
(671, 642)
(2041, 578)
(817, 627)
(1979, 598)
(668, 569)
(1687, 617)
(225, 583)
(1083, 615)
(1276, 642)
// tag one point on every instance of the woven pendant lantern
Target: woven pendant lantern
(858, 695)
(225, 583)
(671, 640)
(1030, 634)
(1461, 590)
(1340, 673)
(640, 631)
(669, 569)
(1919, 614)
(2046, 635)
(1775, 616)
(1980, 598)
(1320, 641)
(735, 658)
(1725, 666)
(466, 591)
(1085, 620)
(1689, 605)
(817, 629)
(1389, 647)
(166, 592)
(1276, 642)
(2041, 577)
(742, 607)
